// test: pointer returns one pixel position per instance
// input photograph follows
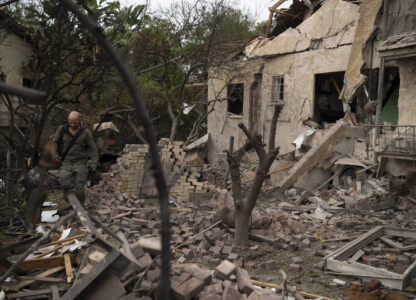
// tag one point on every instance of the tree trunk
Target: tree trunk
(241, 219)
(175, 122)
(38, 135)
(244, 207)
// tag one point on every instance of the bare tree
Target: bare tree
(181, 44)
(244, 205)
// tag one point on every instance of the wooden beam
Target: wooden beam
(121, 215)
(40, 278)
(20, 285)
(55, 292)
(29, 294)
(68, 268)
(79, 236)
(43, 263)
(269, 22)
(53, 250)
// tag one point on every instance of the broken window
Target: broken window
(390, 110)
(278, 88)
(235, 95)
(26, 82)
(328, 108)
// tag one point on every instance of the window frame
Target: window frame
(278, 88)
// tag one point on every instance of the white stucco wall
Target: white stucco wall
(14, 52)
(321, 44)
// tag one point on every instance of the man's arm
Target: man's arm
(92, 148)
(55, 142)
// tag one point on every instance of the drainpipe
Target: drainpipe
(380, 89)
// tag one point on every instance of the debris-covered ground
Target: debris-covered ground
(113, 247)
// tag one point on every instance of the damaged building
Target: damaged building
(337, 75)
(322, 62)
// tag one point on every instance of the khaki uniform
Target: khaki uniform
(73, 172)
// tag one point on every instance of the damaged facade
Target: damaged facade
(286, 69)
(325, 67)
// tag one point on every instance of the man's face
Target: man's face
(74, 123)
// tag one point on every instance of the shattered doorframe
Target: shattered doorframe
(337, 261)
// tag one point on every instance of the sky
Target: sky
(257, 8)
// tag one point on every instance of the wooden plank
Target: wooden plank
(13, 248)
(29, 294)
(79, 236)
(265, 284)
(68, 268)
(356, 256)
(45, 279)
(44, 263)
(55, 292)
(269, 21)
(54, 249)
(20, 285)
(120, 215)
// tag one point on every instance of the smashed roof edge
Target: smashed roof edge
(292, 39)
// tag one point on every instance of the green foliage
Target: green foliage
(175, 48)
(169, 52)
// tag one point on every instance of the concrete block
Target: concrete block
(179, 279)
(196, 271)
(231, 293)
(145, 260)
(188, 289)
(151, 245)
(225, 269)
(243, 281)
(137, 250)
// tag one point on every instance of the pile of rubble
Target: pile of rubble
(121, 256)
(130, 269)
(132, 173)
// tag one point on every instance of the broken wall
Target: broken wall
(321, 44)
(402, 16)
(221, 123)
(407, 91)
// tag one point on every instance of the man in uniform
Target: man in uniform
(71, 145)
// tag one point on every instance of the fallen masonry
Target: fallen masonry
(114, 248)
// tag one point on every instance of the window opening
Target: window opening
(235, 95)
(328, 107)
(278, 88)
